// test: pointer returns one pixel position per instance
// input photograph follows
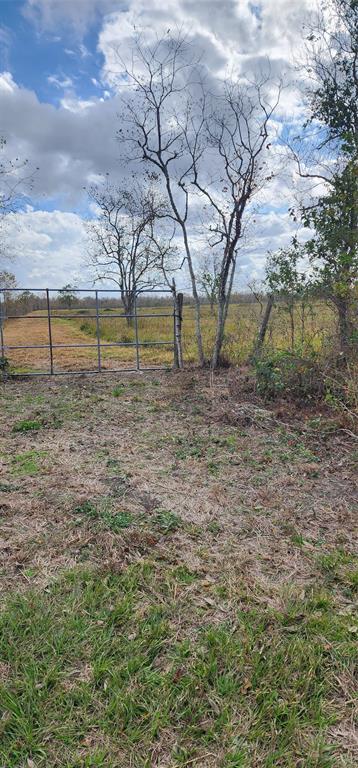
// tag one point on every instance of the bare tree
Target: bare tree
(235, 132)
(15, 178)
(209, 280)
(162, 76)
(265, 319)
(123, 246)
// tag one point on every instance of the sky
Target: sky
(61, 100)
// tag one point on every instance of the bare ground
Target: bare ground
(261, 482)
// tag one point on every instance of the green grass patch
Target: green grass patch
(119, 390)
(166, 521)
(27, 463)
(27, 425)
(100, 672)
(341, 569)
(103, 512)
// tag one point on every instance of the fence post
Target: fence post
(3, 361)
(263, 327)
(136, 334)
(2, 318)
(178, 319)
(49, 328)
(99, 363)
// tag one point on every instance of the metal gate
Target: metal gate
(13, 299)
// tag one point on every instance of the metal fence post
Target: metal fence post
(98, 335)
(49, 328)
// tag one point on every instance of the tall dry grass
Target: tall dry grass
(313, 331)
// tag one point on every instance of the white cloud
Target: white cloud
(7, 83)
(50, 248)
(75, 143)
(77, 15)
(60, 82)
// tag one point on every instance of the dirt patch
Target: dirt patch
(34, 331)
(254, 496)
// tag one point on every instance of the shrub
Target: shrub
(289, 374)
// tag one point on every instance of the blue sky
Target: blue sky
(60, 99)
(35, 58)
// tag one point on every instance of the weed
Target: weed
(112, 521)
(27, 425)
(214, 527)
(8, 488)
(341, 569)
(87, 508)
(119, 390)
(115, 522)
(184, 575)
(166, 521)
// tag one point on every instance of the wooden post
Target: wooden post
(178, 319)
(264, 323)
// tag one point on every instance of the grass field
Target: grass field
(179, 577)
(241, 329)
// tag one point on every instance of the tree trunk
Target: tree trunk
(264, 325)
(199, 338)
(129, 304)
(291, 310)
(223, 308)
(344, 324)
(219, 338)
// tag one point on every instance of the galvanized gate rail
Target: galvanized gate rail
(53, 313)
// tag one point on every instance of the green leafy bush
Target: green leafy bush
(289, 374)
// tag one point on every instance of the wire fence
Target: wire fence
(17, 304)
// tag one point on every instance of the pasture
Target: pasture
(313, 330)
(179, 576)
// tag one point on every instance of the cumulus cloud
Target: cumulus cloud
(49, 248)
(75, 16)
(68, 144)
(75, 142)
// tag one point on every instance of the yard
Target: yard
(179, 574)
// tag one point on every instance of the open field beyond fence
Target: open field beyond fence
(313, 330)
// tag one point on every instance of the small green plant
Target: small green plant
(113, 521)
(117, 521)
(342, 569)
(214, 527)
(8, 488)
(87, 508)
(119, 390)
(27, 425)
(167, 521)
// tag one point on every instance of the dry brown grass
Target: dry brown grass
(246, 499)
(183, 445)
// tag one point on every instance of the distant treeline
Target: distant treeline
(22, 303)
